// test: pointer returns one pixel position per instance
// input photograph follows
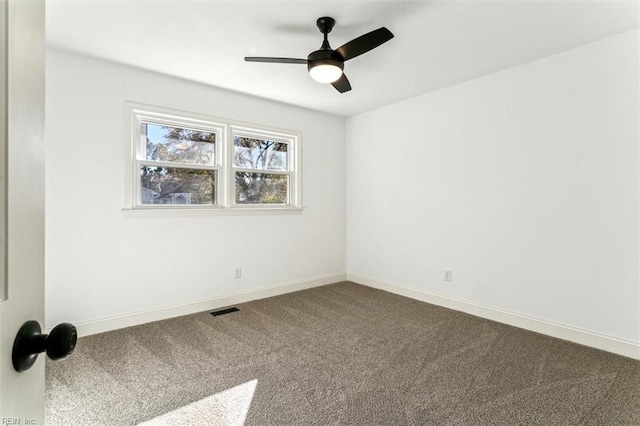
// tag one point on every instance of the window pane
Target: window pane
(163, 185)
(261, 188)
(176, 144)
(260, 154)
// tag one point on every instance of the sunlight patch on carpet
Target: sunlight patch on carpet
(229, 407)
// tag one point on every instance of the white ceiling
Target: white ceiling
(436, 44)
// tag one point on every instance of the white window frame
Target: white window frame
(225, 129)
(189, 123)
(290, 171)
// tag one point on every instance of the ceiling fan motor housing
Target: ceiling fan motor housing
(325, 57)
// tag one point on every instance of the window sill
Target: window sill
(194, 212)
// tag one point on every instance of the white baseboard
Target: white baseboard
(136, 318)
(584, 337)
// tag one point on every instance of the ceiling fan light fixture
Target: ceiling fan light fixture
(325, 72)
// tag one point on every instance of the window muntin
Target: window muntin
(190, 161)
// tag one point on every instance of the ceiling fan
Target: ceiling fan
(326, 65)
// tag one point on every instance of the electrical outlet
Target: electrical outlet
(238, 273)
(448, 276)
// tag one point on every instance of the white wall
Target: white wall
(524, 183)
(100, 264)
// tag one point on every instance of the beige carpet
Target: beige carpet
(342, 354)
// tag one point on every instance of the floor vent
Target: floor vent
(224, 311)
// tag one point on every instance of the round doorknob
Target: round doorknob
(30, 341)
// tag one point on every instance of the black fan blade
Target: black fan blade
(364, 43)
(275, 60)
(342, 84)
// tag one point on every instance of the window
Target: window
(261, 169)
(182, 161)
(177, 165)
